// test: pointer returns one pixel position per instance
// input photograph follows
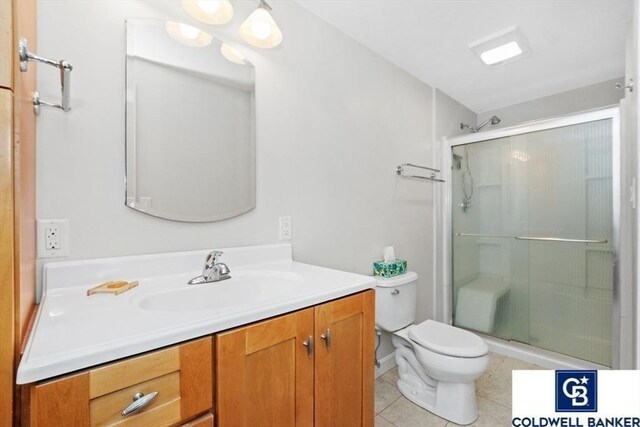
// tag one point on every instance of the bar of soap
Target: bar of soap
(116, 285)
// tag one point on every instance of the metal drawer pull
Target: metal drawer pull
(140, 400)
(327, 338)
(309, 344)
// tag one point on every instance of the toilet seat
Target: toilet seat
(447, 340)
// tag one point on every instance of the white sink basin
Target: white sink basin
(243, 288)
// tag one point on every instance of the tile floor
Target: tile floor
(493, 390)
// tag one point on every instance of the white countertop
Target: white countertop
(73, 331)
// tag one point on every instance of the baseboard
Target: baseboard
(386, 364)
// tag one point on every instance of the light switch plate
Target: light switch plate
(286, 232)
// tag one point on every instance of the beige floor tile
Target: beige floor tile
(381, 422)
(510, 364)
(496, 387)
(490, 414)
(403, 413)
(391, 376)
(495, 360)
(386, 394)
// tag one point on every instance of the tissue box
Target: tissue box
(389, 269)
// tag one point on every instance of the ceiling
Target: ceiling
(574, 43)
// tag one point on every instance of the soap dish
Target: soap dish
(112, 287)
(389, 269)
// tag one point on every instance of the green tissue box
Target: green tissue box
(389, 269)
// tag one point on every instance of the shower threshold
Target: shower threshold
(545, 358)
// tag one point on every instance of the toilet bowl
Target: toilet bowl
(437, 363)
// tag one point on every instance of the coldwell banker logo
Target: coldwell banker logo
(576, 391)
(607, 398)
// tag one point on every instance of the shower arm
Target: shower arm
(494, 120)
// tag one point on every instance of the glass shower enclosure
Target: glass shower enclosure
(533, 238)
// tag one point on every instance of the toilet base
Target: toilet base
(455, 402)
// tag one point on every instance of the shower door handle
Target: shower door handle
(557, 239)
(538, 239)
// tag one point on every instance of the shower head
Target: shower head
(494, 120)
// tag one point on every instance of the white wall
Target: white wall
(333, 121)
(585, 98)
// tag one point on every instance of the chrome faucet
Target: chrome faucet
(213, 271)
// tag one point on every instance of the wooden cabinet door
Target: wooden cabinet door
(265, 374)
(344, 375)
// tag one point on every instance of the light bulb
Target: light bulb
(188, 35)
(260, 29)
(209, 6)
(232, 54)
(189, 32)
(214, 12)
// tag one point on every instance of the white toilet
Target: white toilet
(437, 363)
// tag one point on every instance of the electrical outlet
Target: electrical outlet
(286, 232)
(52, 238)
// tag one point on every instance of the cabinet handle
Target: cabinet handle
(327, 338)
(140, 400)
(309, 344)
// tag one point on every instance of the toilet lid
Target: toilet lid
(448, 340)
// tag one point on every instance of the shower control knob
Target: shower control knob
(395, 292)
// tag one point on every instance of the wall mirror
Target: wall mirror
(190, 124)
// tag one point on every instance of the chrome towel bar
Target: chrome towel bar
(432, 176)
(65, 77)
(539, 239)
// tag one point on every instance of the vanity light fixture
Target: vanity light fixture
(232, 54)
(259, 29)
(499, 48)
(214, 12)
(188, 35)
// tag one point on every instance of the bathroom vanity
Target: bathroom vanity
(280, 343)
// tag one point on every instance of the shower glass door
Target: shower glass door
(532, 225)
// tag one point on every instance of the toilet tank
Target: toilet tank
(396, 301)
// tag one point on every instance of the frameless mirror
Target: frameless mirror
(190, 124)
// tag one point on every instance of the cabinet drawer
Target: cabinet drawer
(163, 410)
(132, 371)
(182, 376)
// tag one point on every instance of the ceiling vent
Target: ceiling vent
(508, 45)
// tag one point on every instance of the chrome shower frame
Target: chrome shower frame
(622, 335)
